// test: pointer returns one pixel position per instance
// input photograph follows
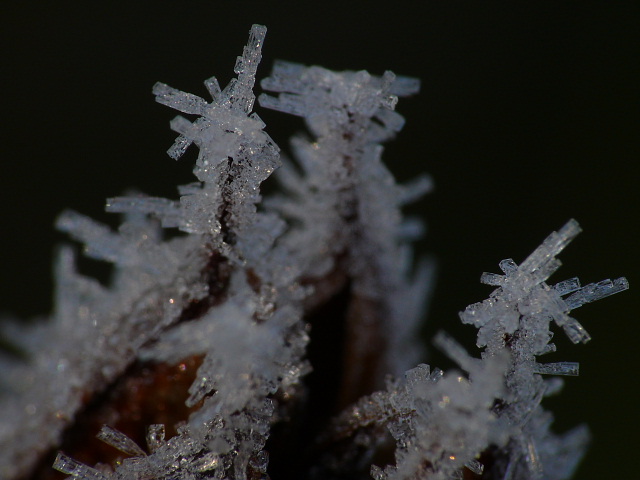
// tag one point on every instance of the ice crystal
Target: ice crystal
(441, 424)
(345, 203)
(517, 318)
(209, 330)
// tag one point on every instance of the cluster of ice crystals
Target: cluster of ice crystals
(235, 290)
(245, 361)
(442, 423)
(97, 332)
(179, 457)
(342, 202)
(517, 318)
(235, 156)
(94, 332)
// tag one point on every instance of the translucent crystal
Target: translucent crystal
(78, 470)
(120, 441)
(567, 286)
(596, 291)
(475, 466)
(558, 368)
(168, 211)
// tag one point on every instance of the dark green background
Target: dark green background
(528, 116)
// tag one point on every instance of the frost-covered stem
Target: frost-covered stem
(353, 221)
(193, 363)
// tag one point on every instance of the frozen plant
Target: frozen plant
(268, 337)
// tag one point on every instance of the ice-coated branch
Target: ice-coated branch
(517, 318)
(96, 334)
(344, 207)
(269, 339)
(489, 421)
(235, 156)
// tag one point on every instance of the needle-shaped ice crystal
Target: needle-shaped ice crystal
(517, 318)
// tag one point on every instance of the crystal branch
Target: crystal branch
(199, 348)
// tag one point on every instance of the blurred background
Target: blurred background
(528, 116)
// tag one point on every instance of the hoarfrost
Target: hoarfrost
(343, 204)
(442, 423)
(236, 295)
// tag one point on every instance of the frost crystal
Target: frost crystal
(443, 423)
(516, 318)
(195, 361)
(343, 203)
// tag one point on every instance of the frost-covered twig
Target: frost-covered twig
(344, 207)
(441, 424)
(195, 361)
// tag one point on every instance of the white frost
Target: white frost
(236, 289)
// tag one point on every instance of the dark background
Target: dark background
(528, 116)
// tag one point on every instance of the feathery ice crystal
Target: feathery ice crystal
(270, 337)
